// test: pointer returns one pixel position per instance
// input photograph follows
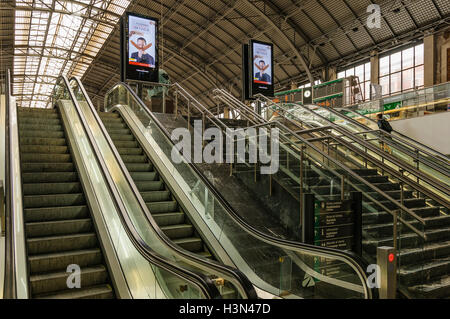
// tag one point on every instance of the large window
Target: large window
(402, 71)
(307, 85)
(362, 71)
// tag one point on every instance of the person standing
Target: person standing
(384, 126)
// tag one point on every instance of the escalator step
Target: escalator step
(39, 127)
(147, 186)
(192, 244)
(57, 281)
(134, 159)
(139, 167)
(107, 115)
(43, 134)
(44, 149)
(130, 151)
(52, 188)
(40, 120)
(96, 292)
(42, 141)
(143, 176)
(59, 227)
(56, 213)
(120, 144)
(53, 244)
(165, 219)
(47, 167)
(46, 263)
(178, 231)
(50, 177)
(162, 207)
(45, 158)
(57, 200)
(156, 196)
(121, 137)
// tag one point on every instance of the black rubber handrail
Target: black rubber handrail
(359, 264)
(200, 280)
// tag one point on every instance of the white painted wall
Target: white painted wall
(432, 130)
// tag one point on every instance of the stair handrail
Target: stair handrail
(238, 104)
(431, 181)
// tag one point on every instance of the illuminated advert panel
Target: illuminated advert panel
(261, 60)
(140, 48)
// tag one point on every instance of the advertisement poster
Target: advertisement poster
(262, 63)
(141, 42)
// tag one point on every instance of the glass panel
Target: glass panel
(367, 71)
(396, 82)
(408, 79)
(384, 82)
(367, 91)
(359, 72)
(350, 72)
(418, 52)
(419, 76)
(341, 75)
(396, 62)
(384, 66)
(408, 58)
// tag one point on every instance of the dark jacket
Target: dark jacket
(265, 77)
(145, 58)
(384, 125)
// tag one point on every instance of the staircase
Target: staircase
(424, 267)
(58, 225)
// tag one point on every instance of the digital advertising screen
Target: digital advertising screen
(140, 48)
(261, 59)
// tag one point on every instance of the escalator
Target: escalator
(58, 223)
(164, 207)
(65, 215)
(188, 209)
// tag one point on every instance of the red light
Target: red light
(391, 257)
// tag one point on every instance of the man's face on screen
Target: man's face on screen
(262, 65)
(141, 44)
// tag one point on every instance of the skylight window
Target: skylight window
(56, 37)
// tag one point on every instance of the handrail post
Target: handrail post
(387, 276)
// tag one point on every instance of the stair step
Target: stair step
(53, 244)
(422, 272)
(120, 144)
(121, 137)
(39, 120)
(58, 227)
(96, 292)
(57, 200)
(57, 281)
(109, 115)
(130, 151)
(46, 263)
(432, 289)
(51, 188)
(56, 213)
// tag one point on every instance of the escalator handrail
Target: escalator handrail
(12, 278)
(246, 288)
(398, 140)
(201, 281)
(402, 136)
(438, 185)
(349, 257)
